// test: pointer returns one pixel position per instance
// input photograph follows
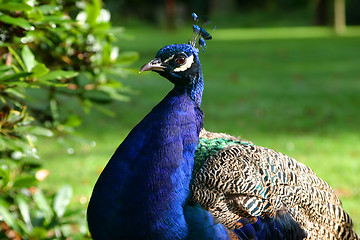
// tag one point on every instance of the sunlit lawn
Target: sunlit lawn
(294, 90)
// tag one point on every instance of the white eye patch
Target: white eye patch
(189, 61)
(168, 59)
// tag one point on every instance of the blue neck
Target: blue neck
(142, 191)
(195, 89)
(164, 178)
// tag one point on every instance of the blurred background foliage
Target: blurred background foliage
(237, 13)
(289, 75)
(56, 61)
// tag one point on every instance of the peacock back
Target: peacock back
(243, 184)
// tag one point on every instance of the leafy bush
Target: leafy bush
(55, 60)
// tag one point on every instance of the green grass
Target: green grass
(296, 90)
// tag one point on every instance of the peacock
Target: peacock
(172, 179)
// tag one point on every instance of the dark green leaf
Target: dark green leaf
(58, 74)
(4, 68)
(98, 96)
(15, 92)
(113, 93)
(15, 6)
(25, 182)
(32, 165)
(18, 58)
(104, 110)
(14, 77)
(19, 21)
(84, 78)
(4, 177)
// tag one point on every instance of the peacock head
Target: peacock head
(179, 63)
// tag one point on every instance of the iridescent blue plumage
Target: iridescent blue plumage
(142, 192)
(200, 33)
(202, 42)
(271, 228)
(205, 34)
(195, 17)
(196, 29)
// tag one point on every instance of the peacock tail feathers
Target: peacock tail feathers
(241, 183)
(210, 143)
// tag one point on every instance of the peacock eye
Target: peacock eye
(180, 60)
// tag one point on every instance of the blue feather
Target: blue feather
(280, 227)
(202, 42)
(143, 189)
(196, 29)
(195, 16)
(202, 224)
(205, 34)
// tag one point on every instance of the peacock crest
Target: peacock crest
(200, 35)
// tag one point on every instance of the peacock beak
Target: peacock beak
(153, 65)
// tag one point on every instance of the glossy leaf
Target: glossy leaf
(15, 92)
(39, 70)
(113, 93)
(18, 21)
(25, 211)
(52, 60)
(28, 58)
(8, 218)
(14, 77)
(25, 182)
(35, 15)
(62, 199)
(17, 57)
(11, 6)
(4, 176)
(58, 74)
(47, 8)
(92, 12)
(127, 57)
(43, 205)
(37, 130)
